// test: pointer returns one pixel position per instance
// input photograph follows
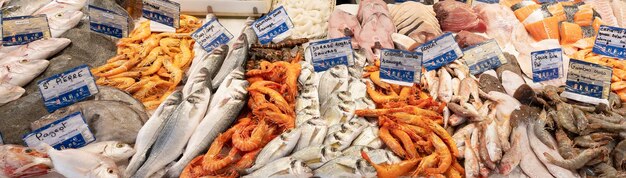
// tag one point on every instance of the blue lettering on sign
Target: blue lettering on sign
(267, 37)
(329, 63)
(440, 60)
(21, 39)
(222, 39)
(272, 24)
(69, 132)
(584, 88)
(440, 51)
(67, 88)
(485, 65)
(397, 74)
(325, 54)
(157, 17)
(67, 99)
(211, 35)
(105, 29)
(545, 75)
(611, 41)
(547, 64)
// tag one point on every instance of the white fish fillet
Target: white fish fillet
(9, 93)
(603, 7)
(619, 10)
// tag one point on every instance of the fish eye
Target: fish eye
(119, 145)
(110, 171)
(28, 150)
(59, 15)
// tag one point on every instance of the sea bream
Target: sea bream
(277, 148)
(17, 8)
(57, 6)
(178, 128)
(114, 150)
(148, 133)
(316, 156)
(284, 167)
(216, 121)
(78, 163)
(40, 49)
(313, 133)
(236, 58)
(346, 166)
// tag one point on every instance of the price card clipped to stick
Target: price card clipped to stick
(484, 56)
(67, 88)
(588, 82)
(611, 41)
(211, 35)
(107, 22)
(272, 24)
(68, 132)
(440, 51)
(162, 11)
(326, 54)
(547, 64)
(24, 29)
(400, 67)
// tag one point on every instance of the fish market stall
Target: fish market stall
(297, 88)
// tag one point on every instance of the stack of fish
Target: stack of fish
(416, 21)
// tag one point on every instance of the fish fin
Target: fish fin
(224, 101)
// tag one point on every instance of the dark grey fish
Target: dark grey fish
(107, 93)
(236, 58)
(570, 11)
(588, 31)
(522, 4)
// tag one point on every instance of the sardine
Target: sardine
(313, 133)
(178, 128)
(236, 58)
(283, 167)
(216, 121)
(17, 8)
(211, 62)
(78, 163)
(149, 132)
(346, 166)
(277, 148)
(114, 150)
(316, 156)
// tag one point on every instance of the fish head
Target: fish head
(65, 19)
(330, 152)
(174, 99)
(10, 92)
(120, 150)
(300, 169)
(107, 169)
(24, 70)
(221, 50)
(61, 5)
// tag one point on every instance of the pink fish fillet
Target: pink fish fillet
(342, 24)
(619, 10)
(369, 7)
(376, 34)
(500, 21)
(455, 16)
(603, 7)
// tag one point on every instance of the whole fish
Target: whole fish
(235, 78)
(178, 127)
(17, 8)
(57, 6)
(369, 137)
(339, 108)
(41, 49)
(313, 133)
(9, 92)
(78, 163)
(445, 85)
(20, 71)
(236, 58)
(148, 133)
(307, 101)
(20, 161)
(277, 148)
(346, 166)
(334, 80)
(216, 121)
(316, 156)
(106, 93)
(212, 62)
(343, 138)
(62, 21)
(283, 167)
(114, 150)
(378, 156)
(250, 34)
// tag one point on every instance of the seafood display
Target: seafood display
(319, 99)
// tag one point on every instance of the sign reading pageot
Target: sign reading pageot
(326, 54)
(400, 67)
(69, 132)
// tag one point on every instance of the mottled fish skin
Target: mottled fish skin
(521, 4)
(250, 34)
(107, 93)
(216, 121)
(177, 129)
(369, 137)
(307, 102)
(16, 8)
(277, 148)
(339, 108)
(313, 133)
(378, 156)
(316, 156)
(236, 58)
(148, 133)
(283, 167)
(346, 166)
(212, 62)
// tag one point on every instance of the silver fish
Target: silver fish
(235, 78)
(343, 138)
(334, 80)
(339, 108)
(283, 167)
(445, 85)
(78, 163)
(307, 101)
(106, 93)
(178, 128)
(100, 116)
(216, 121)
(277, 148)
(313, 133)
(20, 71)
(250, 34)
(212, 62)
(148, 133)
(116, 151)
(378, 156)
(346, 166)
(369, 137)
(22, 8)
(236, 58)
(316, 156)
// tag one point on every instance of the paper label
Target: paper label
(587, 79)
(24, 29)
(400, 67)
(272, 25)
(326, 54)
(547, 64)
(107, 22)
(67, 88)
(162, 11)
(611, 41)
(211, 35)
(484, 56)
(440, 51)
(68, 132)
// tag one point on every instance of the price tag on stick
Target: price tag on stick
(547, 64)
(271, 25)
(69, 132)
(440, 51)
(588, 82)
(326, 54)
(67, 88)
(211, 35)
(400, 67)
(107, 22)
(24, 29)
(162, 11)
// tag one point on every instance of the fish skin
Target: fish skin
(16, 8)
(9, 92)
(250, 34)
(107, 93)
(294, 167)
(531, 165)
(57, 6)
(114, 150)
(41, 49)
(313, 133)
(216, 121)
(540, 149)
(236, 58)
(378, 156)
(235, 78)
(339, 108)
(277, 148)
(347, 132)
(445, 85)
(178, 128)
(148, 133)
(20, 71)
(340, 166)
(62, 21)
(316, 156)
(78, 163)
(211, 62)
(307, 101)
(335, 80)
(369, 137)
(511, 159)
(100, 115)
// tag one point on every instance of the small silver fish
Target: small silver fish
(313, 133)
(78, 163)
(277, 148)
(346, 166)
(211, 62)
(283, 167)
(378, 156)
(316, 156)
(343, 138)
(116, 151)
(369, 137)
(334, 80)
